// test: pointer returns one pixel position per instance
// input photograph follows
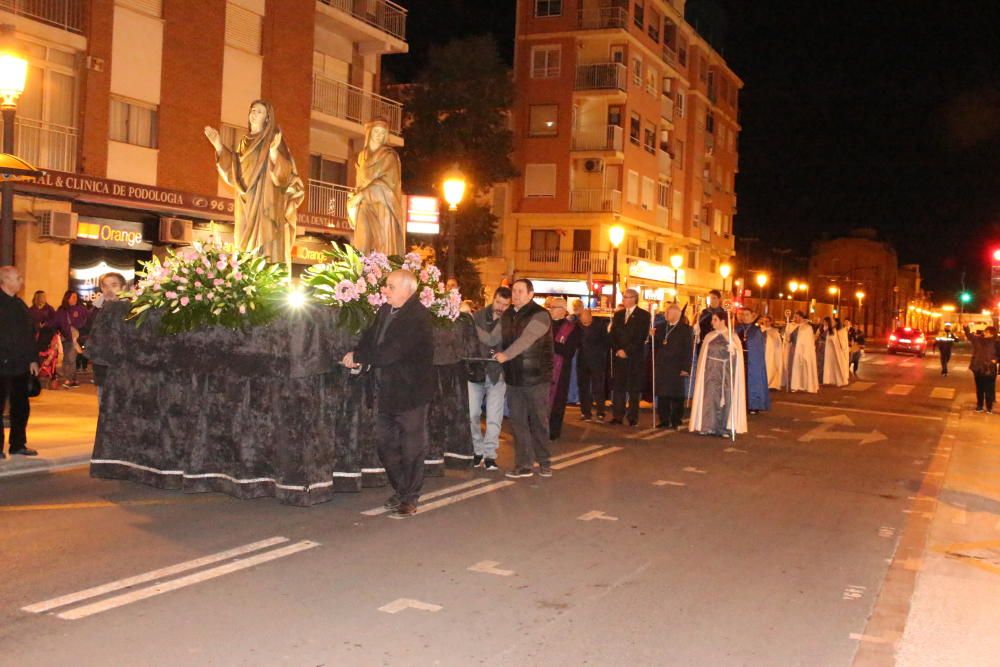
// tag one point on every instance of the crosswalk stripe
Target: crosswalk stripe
(947, 393)
(900, 390)
(435, 494)
(588, 457)
(859, 386)
(451, 500)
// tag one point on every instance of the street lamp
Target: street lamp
(860, 295)
(454, 191)
(13, 73)
(616, 235)
(834, 289)
(793, 286)
(724, 271)
(761, 282)
(676, 261)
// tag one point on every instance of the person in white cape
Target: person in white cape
(719, 403)
(836, 369)
(800, 356)
(772, 353)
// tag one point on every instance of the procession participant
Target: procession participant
(592, 366)
(754, 362)
(486, 383)
(835, 370)
(566, 342)
(944, 343)
(396, 347)
(525, 337)
(18, 360)
(772, 353)
(800, 357)
(985, 355)
(857, 340)
(112, 284)
(719, 399)
(629, 331)
(42, 314)
(822, 331)
(713, 306)
(672, 339)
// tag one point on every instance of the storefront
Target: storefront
(104, 245)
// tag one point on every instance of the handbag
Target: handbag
(34, 385)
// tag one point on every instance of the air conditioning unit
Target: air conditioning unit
(593, 166)
(57, 225)
(176, 231)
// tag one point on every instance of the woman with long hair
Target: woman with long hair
(42, 314)
(70, 318)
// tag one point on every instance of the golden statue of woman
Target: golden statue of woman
(268, 188)
(376, 207)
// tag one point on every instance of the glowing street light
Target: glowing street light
(616, 235)
(13, 76)
(676, 261)
(724, 271)
(453, 185)
(793, 286)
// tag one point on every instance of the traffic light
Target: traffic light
(965, 297)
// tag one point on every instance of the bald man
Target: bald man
(399, 352)
(18, 360)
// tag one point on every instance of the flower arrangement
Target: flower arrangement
(353, 282)
(209, 284)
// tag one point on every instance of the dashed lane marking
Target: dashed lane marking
(734, 450)
(402, 604)
(667, 482)
(660, 433)
(880, 362)
(451, 500)
(859, 386)
(588, 457)
(596, 514)
(853, 592)
(490, 567)
(435, 494)
(900, 390)
(946, 393)
(697, 471)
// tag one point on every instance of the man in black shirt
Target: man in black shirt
(18, 360)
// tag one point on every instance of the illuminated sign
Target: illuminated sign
(307, 254)
(653, 271)
(111, 234)
(423, 215)
(572, 287)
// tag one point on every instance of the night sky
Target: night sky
(855, 114)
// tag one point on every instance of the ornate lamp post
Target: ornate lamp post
(676, 261)
(13, 73)
(454, 191)
(616, 235)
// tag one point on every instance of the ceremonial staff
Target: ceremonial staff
(652, 339)
(694, 356)
(732, 372)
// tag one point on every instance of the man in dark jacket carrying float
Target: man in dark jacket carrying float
(397, 348)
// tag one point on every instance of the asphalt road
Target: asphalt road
(643, 549)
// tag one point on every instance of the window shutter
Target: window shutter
(540, 180)
(151, 7)
(243, 29)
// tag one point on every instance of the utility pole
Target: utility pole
(747, 241)
(781, 252)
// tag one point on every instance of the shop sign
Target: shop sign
(308, 254)
(423, 214)
(111, 234)
(653, 271)
(571, 287)
(324, 222)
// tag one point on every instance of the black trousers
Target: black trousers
(986, 390)
(945, 352)
(14, 389)
(529, 420)
(593, 389)
(627, 383)
(670, 411)
(402, 448)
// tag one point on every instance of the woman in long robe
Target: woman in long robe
(800, 357)
(376, 207)
(719, 399)
(836, 370)
(566, 337)
(822, 333)
(773, 354)
(267, 185)
(755, 364)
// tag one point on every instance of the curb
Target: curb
(39, 466)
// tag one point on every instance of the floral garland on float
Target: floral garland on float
(353, 283)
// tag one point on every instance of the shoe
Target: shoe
(67, 385)
(979, 409)
(491, 464)
(392, 503)
(633, 422)
(24, 451)
(477, 461)
(585, 418)
(544, 471)
(517, 473)
(615, 422)
(406, 509)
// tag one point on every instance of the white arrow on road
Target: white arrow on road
(490, 567)
(399, 605)
(596, 514)
(826, 432)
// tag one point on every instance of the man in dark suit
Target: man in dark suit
(18, 360)
(629, 331)
(674, 342)
(592, 365)
(398, 347)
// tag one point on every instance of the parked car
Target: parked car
(907, 339)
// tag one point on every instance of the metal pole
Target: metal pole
(675, 285)
(7, 206)
(614, 277)
(652, 337)
(451, 244)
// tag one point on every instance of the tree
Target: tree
(457, 115)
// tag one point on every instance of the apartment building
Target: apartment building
(119, 91)
(625, 116)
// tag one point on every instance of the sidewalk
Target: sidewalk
(61, 428)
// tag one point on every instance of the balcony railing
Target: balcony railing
(601, 19)
(601, 76)
(328, 199)
(352, 103)
(65, 14)
(669, 56)
(382, 14)
(581, 262)
(45, 145)
(610, 138)
(598, 200)
(667, 107)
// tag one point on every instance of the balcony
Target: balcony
(581, 262)
(595, 201)
(385, 15)
(347, 102)
(65, 14)
(328, 199)
(670, 56)
(605, 18)
(667, 108)
(665, 162)
(45, 145)
(601, 76)
(610, 138)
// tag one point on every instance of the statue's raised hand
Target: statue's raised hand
(275, 144)
(213, 136)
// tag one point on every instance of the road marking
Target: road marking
(642, 434)
(853, 592)
(761, 436)
(880, 362)
(872, 639)
(667, 482)
(104, 504)
(151, 576)
(596, 514)
(451, 500)
(435, 494)
(588, 457)
(402, 604)
(909, 362)
(660, 433)
(867, 412)
(925, 515)
(886, 531)
(843, 420)
(824, 432)
(946, 393)
(733, 450)
(696, 471)
(781, 430)
(490, 567)
(900, 390)
(859, 386)
(189, 580)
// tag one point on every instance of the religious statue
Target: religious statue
(268, 188)
(376, 207)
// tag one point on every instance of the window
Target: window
(637, 71)
(649, 139)
(539, 180)
(133, 123)
(668, 86)
(545, 8)
(648, 193)
(716, 222)
(663, 194)
(618, 54)
(711, 84)
(679, 157)
(679, 105)
(654, 25)
(658, 255)
(632, 191)
(640, 13)
(231, 135)
(710, 123)
(713, 266)
(327, 170)
(544, 245)
(678, 207)
(615, 112)
(652, 80)
(243, 28)
(545, 62)
(151, 7)
(635, 124)
(682, 53)
(702, 68)
(665, 140)
(543, 120)
(692, 262)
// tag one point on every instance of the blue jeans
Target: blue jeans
(486, 446)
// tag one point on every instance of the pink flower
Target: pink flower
(372, 279)
(237, 276)
(376, 300)
(188, 254)
(361, 286)
(345, 291)
(197, 297)
(426, 297)
(233, 263)
(211, 274)
(171, 295)
(185, 301)
(424, 276)
(221, 264)
(200, 271)
(218, 282)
